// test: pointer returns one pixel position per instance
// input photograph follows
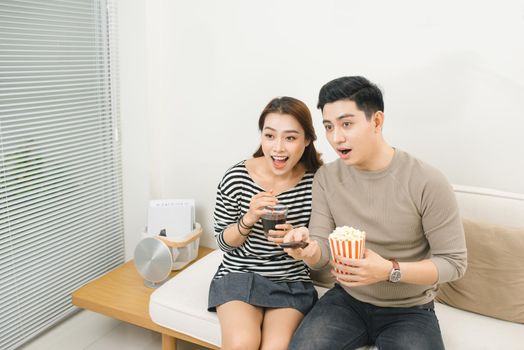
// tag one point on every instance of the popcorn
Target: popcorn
(347, 242)
(347, 233)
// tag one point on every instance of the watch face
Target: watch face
(394, 276)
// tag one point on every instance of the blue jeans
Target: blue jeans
(339, 321)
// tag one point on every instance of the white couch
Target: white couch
(181, 303)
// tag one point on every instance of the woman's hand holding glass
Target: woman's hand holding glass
(257, 206)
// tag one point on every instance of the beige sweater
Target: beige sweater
(409, 212)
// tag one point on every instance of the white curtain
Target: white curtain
(61, 221)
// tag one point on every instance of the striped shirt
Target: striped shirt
(257, 254)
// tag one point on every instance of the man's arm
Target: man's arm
(443, 229)
(374, 268)
(421, 272)
(321, 223)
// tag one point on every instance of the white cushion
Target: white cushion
(492, 206)
(181, 303)
(464, 330)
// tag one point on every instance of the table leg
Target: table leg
(168, 342)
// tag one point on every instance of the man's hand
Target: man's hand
(310, 254)
(360, 272)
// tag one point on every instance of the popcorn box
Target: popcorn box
(353, 249)
(347, 242)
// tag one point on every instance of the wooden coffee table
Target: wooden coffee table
(121, 294)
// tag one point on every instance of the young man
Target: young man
(414, 234)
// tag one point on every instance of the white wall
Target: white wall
(134, 118)
(196, 74)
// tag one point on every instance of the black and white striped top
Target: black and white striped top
(257, 254)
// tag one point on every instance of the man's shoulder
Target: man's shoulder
(417, 168)
(419, 177)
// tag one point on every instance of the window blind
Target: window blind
(61, 220)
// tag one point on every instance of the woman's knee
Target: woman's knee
(240, 335)
(241, 342)
(275, 343)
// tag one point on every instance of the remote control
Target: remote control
(294, 245)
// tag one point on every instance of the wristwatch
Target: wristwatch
(394, 275)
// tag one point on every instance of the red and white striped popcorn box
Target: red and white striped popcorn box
(352, 249)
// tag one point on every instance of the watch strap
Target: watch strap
(396, 266)
(394, 275)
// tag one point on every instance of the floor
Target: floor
(91, 331)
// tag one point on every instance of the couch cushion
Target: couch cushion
(181, 304)
(494, 281)
(463, 330)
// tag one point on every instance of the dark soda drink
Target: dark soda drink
(274, 215)
(270, 223)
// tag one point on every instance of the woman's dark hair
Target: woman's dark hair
(366, 95)
(297, 109)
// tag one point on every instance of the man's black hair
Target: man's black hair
(366, 95)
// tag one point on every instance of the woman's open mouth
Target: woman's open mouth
(279, 162)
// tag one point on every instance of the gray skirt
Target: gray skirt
(259, 291)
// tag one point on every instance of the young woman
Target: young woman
(259, 292)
